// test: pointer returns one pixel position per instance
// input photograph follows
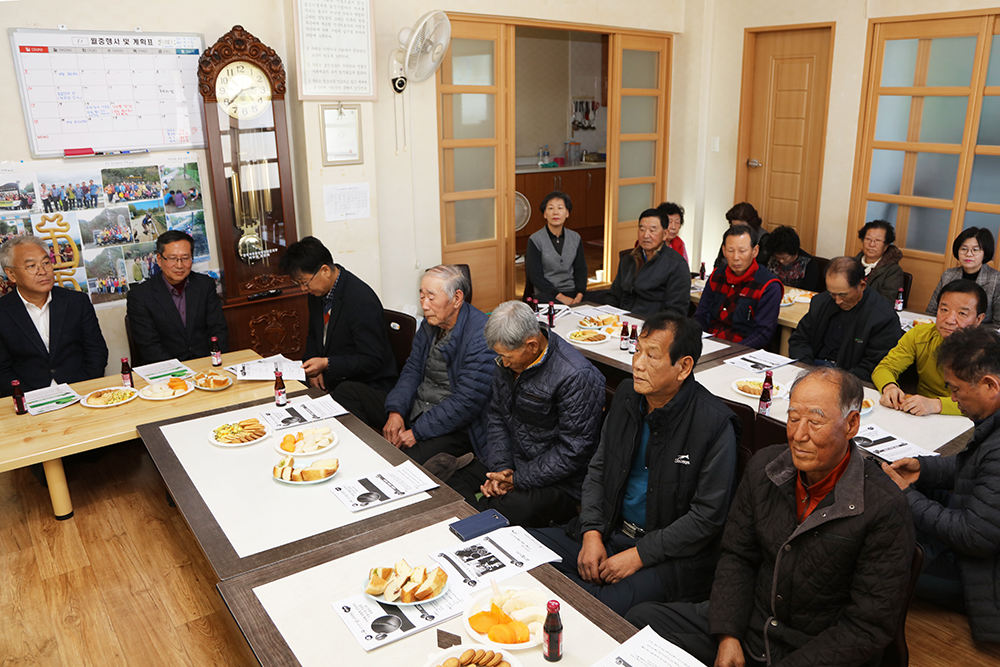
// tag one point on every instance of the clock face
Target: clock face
(243, 90)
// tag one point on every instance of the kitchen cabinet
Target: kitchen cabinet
(585, 188)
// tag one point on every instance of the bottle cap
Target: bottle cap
(15, 383)
(553, 606)
(215, 338)
(124, 360)
(277, 374)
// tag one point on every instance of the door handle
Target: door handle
(589, 179)
(754, 163)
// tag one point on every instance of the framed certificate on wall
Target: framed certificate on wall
(341, 124)
(335, 46)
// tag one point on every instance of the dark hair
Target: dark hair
(848, 267)
(964, 286)
(851, 393)
(890, 232)
(744, 212)
(783, 241)
(306, 256)
(982, 235)
(556, 195)
(654, 213)
(669, 208)
(172, 236)
(971, 353)
(686, 333)
(738, 230)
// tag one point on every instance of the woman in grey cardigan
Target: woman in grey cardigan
(973, 248)
(555, 263)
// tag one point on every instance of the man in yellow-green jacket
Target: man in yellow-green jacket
(962, 304)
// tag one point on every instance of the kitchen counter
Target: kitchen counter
(534, 168)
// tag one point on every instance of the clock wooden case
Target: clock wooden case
(242, 84)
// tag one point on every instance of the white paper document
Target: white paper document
(886, 446)
(498, 555)
(382, 487)
(648, 649)
(611, 310)
(163, 370)
(48, 399)
(375, 623)
(305, 412)
(263, 369)
(759, 361)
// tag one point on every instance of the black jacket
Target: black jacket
(691, 456)
(357, 345)
(873, 331)
(661, 283)
(970, 523)
(76, 347)
(827, 591)
(544, 423)
(156, 325)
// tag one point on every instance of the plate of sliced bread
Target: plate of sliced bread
(317, 472)
(406, 586)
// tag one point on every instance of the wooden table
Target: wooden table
(322, 638)
(48, 437)
(237, 482)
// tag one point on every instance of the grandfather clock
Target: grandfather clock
(242, 84)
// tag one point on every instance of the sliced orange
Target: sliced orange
(482, 622)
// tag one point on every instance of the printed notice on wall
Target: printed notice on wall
(336, 40)
(347, 202)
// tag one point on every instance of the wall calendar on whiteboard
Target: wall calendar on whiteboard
(106, 92)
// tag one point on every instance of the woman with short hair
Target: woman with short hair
(974, 249)
(554, 261)
(793, 265)
(881, 259)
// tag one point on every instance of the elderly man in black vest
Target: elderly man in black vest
(657, 490)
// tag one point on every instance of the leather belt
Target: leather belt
(632, 530)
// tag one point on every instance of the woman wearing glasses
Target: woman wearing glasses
(974, 249)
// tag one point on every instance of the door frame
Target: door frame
(746, 109)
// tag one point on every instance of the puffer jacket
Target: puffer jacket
(970, 524)
(691, 457)
(827, 591)
(470, 375)
(887, 276)
(646, 287)
(544, 424)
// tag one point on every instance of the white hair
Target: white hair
(511, 325)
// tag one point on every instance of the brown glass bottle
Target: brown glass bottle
(280, 397)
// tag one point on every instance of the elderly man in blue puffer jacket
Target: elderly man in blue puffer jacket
(542, 426)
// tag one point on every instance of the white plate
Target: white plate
(190, 388)
(589, 342)
(332, 435)
(776, 391)
(85, 399)
(315, 481)
(865, 411)
(437, 659)
(381, 598)
(482, 603)
(211, 437)
(197, 386)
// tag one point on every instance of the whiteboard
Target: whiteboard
(108, 91)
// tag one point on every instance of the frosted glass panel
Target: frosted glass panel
(887, 172)
(943, 120)
(471, 220)
(985, 186)
(993, 73)
(951, 61)
(471, 63)
(893, 117)
(638, 115)
(633, 200)
(989, 122)
(935, 175)
(988, 220)
(878, 210)
(471, 116)
(637, 158)
(639, 69)
(928, 229)
(474, 168)
(899, 62)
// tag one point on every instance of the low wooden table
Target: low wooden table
(48, 437)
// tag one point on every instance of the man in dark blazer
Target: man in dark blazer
(174, 315)
(47, 334)
(347, 332)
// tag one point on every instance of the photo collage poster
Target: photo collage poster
(101, 223)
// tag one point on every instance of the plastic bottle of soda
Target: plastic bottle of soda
(216, 352)
(552, 633)
(127, 380)
(20, 407)
(764, 407)
(701, 274)
(633, 339)
(280, 397)
(624, 344)
(899, 300)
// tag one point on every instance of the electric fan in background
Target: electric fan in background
(522, 214)
(421, 50)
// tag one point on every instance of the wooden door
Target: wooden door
(574, 183)
(783, 110)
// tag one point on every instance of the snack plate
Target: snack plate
(211, 437)
(864, 410)
(381, 598)
(190, 388)
(776, 392)
(481, 602)
(84, 401)
(588, 342)
(197, 386)
(332, 435)
(437, 659)
(315, 481)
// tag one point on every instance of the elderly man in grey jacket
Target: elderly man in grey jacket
(542, 426)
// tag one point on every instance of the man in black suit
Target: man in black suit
(347, 333)
(48, 335)
(175, 314)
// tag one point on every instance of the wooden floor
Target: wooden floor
(124, 582)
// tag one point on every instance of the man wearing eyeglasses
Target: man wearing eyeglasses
(173, 315)
(48, 334)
